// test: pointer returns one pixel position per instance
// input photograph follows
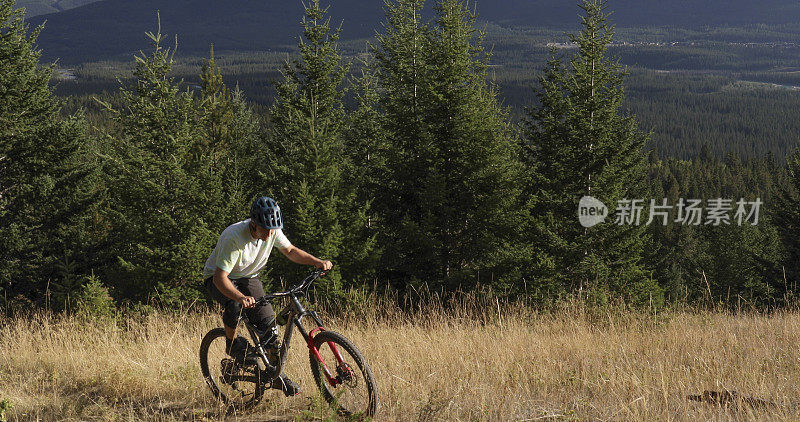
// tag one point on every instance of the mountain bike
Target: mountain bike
(342, 374)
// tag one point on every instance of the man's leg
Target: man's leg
(262, 317)
(264, 320)
(230, 309)
(230, 333)
(234, 347)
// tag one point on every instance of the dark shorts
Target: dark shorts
(262, 317)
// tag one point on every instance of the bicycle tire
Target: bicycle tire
(352, 399)
(215, 372)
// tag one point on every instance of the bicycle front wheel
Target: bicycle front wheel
(236, 385)
(343, 376)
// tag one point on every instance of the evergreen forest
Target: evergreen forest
(442, 155)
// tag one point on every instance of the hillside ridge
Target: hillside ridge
(115, 28)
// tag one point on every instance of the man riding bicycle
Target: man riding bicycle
(231, 277)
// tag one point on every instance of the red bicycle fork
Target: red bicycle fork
(333, 381)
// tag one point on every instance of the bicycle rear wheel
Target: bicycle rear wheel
(351, 390)
(236, 385)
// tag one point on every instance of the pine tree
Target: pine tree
(747, 267)
(687, 259)
(168, 181)
(308, 163)
(367, 145)
(229, 147)
(581, 145)
(786, 215)
(401, 62)
(400, 75)
(451, 212)
(47, 182)
(217, 103)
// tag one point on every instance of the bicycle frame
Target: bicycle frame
(296, 313)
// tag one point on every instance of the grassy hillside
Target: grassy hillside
(497, 363)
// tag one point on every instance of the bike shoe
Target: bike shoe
(283, 383)
(241, 352)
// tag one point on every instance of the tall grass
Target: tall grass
(470, 357)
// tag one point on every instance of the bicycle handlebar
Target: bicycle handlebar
(303, 284)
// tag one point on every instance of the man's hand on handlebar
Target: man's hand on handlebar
(324, 265)
(247, 301)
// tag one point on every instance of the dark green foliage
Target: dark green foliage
(733, 109)
(787, 220)
(747, 268)
(581, 145)
(723, 113)
(365, 138)
(62, 292)
(172, 182)
(449, 204)
(367, 145)
(156, 200)
(229, 145)
(737, 265)
(403, 168)
(308, 166)
(46, 176)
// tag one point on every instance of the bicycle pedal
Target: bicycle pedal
(269, 373)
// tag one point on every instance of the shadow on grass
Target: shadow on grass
(88, 401)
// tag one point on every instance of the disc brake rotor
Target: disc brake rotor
(345, 375)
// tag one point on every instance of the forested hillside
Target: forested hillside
(426, 160)
(749, 113)
(41, 7)
(633, 13)
(626, 196)
(112, 28)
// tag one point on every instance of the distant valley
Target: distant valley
(713, 72)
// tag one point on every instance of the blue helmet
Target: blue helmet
(266, 213)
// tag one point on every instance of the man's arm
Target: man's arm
(300, 256)
(227, 288)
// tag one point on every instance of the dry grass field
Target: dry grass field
(505, 363)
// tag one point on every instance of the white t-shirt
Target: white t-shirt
(239, 254)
